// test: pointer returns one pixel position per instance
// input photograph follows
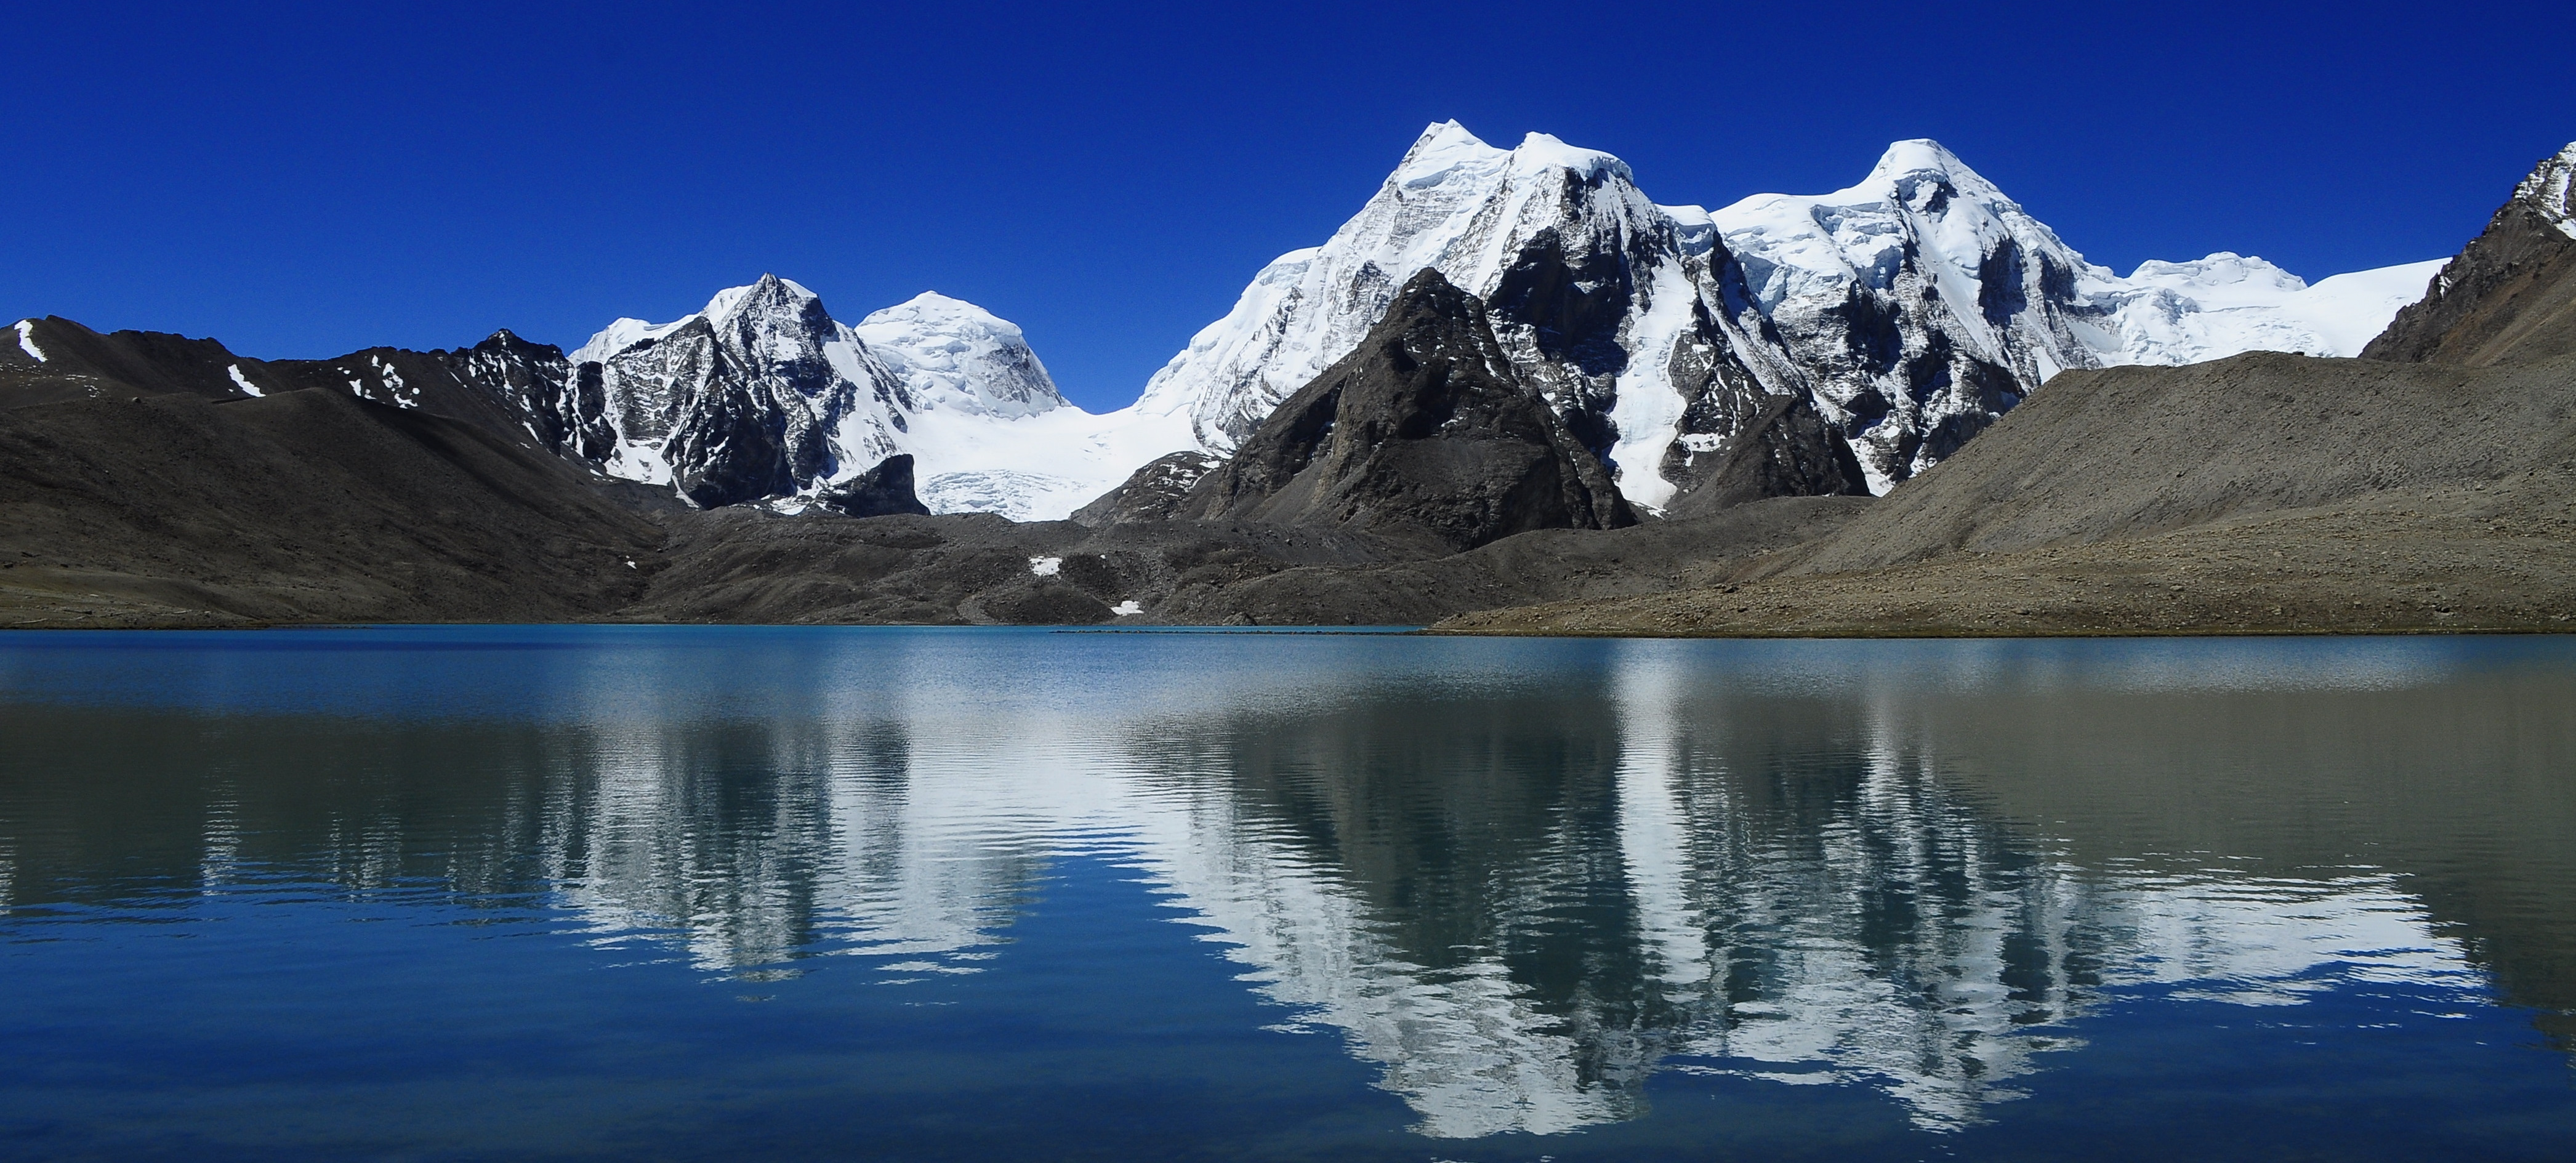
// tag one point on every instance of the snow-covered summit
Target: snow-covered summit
(1912, 308)
(762, 394)
(2551, 190)
(1588, 282)
(2186, 312)
(954, 354)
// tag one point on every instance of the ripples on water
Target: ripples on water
(514, 891)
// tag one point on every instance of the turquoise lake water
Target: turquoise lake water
(725, 893)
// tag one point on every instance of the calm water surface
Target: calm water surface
(762, 893)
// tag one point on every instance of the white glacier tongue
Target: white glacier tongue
(2187, 312)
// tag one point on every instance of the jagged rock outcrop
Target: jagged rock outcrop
(1424, 435)
(1152, 493)
(2510, 296)
(761, 395)
(882, 491)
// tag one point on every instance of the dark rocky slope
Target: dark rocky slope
(883, 491)
(302, 506)
(1424, 434)
(2511, 294)
(1153, 493)
(505, 385)
(1782, 447)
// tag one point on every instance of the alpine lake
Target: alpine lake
(793, 893)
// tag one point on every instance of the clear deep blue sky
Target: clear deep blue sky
(304, 180)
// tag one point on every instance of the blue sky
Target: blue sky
(304, 180)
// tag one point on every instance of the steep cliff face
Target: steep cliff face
(2510, 296)
(1424, 435)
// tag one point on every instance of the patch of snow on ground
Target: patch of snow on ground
(1127, 608)
(1046, 566)
(27, 339)
(243, 382)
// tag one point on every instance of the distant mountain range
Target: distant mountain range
(1909, 311)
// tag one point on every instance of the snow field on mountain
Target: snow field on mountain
(2178, 313)
(1036, 467)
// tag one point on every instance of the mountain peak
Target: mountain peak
(960, 357)
(1541, 151)
(768, 290)
(1442, 148)
(933, 306)
(2551, 190)
(1906, 162)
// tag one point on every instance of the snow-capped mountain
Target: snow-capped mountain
(1915, 306)
(2188, 312)
(1616, 309)
(763, 396)
(1923, 303)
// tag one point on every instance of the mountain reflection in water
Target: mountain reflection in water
(1518, 878)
